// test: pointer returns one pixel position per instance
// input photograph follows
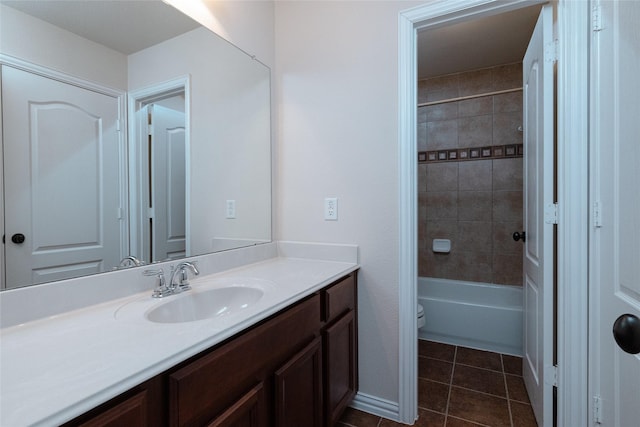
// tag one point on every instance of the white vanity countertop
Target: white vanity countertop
(54, 369)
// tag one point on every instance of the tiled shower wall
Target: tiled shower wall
(475, 202)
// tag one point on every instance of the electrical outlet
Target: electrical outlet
(231, 209)
(331, 209)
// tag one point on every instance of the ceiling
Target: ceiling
(478, 43)
(130, 26)
(125, 26)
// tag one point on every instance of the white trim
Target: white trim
(136, 99)
(408, 249)
(573, 171)
(375, 405)
(50, 73)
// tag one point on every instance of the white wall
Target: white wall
(41, 43)
(336, 78)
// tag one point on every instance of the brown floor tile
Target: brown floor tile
(435, 370)
(388, 423)
(477, 379)
(479, 408)
(479, 358)
(355, 418)
(432, 395)
(512, 364)
(436, 350)
(522, 415)
(517, 390)
(429, 419)
(457, 422)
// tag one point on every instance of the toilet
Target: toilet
(420, 316)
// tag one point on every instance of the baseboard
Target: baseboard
(376, 406)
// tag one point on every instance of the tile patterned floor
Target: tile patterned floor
(462, 387)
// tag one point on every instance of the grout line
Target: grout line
(469, 421)
(484, 369)
(506, 388)
(453, 371)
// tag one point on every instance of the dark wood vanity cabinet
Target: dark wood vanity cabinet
(340, 339)
(296, 368)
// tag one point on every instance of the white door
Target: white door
(538, 198)
(62, 189)
(615, 247)
(168, 182)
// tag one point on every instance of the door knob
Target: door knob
(17, 238)
(626, 331)
(517, 236)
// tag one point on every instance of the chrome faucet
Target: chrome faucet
(180, 273)
(130, 261)
(161, 290)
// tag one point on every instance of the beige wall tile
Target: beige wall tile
(421, 137)
(422, 177)
(439, 88)
(442, 229)
(507, 269)
(474, 236)
(446, 111)
(442, 176)
(472, 266)
(442, 134)
(507, 76)
(475, 205)
(475, 82)
(475, 107)
(442, 205)
(507, 102)
(475, 175)
(503, 238)
(475, 131)
(507, 174)
(505, 128)
(507, 206)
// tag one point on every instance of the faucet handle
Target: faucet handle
(161, 289)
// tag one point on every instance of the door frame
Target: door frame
(120, 96)
(573, 33)
(136, 100)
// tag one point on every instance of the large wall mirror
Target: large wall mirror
(130, 134)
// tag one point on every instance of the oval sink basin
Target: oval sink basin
(199, 305)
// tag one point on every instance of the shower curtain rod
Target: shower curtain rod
(462, 98)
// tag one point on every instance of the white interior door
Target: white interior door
(615, 248)
(62, 189)
(168, 182)
(538, 198)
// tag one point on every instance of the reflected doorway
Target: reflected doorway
(159, 143)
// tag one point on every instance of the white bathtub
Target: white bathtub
(476, 315)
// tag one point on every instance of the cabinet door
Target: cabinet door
(298, 384)
(243, 413)
(131, 412)
(341, 369)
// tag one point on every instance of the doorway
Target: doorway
(441, 14)
(159, 183)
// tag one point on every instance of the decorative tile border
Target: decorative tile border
(479, 153)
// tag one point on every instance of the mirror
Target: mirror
(169, 189)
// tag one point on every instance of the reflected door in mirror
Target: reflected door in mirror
(168, 185)
(62, 185)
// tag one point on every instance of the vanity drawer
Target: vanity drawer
(339, 298)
